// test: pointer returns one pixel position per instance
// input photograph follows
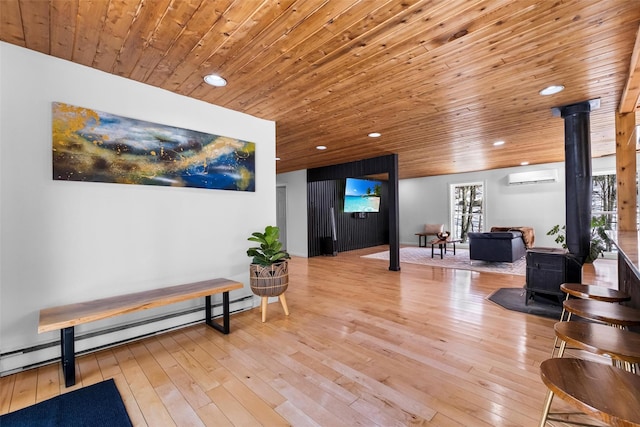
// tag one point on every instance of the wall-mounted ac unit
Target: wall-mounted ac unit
(533, 177)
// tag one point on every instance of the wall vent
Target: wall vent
(533, 177)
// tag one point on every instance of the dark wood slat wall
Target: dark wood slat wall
(377, 166)
(321, 196)
(351, 232)
(325, 188)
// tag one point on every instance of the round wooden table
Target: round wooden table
(604, 392)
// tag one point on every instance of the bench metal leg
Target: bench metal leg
(224, 328)
(67, 355)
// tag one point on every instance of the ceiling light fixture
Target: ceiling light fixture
(321, 147)
(497, 143)
(215, 80)
(375, 135)
(524, 163)
(551, 90)
(277, 158)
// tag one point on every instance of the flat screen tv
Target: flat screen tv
(362, 195)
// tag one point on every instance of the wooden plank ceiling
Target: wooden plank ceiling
(440, 80)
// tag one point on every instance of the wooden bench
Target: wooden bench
(65, 317)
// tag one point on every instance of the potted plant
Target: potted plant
(269, 269)
(599, 238)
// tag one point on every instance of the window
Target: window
(467, 209)
(604, 201)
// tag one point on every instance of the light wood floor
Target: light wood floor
(363, 346)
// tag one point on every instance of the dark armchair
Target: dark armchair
(497, 246)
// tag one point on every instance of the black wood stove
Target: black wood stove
(548, 268)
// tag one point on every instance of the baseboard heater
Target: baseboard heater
(44, 354)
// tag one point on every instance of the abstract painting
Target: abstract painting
(94, 146)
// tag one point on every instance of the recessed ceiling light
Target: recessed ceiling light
(497, 143)
(375, 135)
(277, 158)
(321, 147)
(552, 90)
(524, 163)
(215, 80)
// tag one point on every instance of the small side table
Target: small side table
(422, 237)
(442, 244)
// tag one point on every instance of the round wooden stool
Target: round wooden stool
(601, 391)
(595, 292)
(618, 344)
(598, 293)
(613, 314)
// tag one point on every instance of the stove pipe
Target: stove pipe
(579, 186)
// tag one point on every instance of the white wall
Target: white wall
(63, 242)
(541, 205)
(297, 237)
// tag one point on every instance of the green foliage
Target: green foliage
(270, 249)
(599, 238)
(561, 237)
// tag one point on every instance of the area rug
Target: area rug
(515, 299)
(96, 405)
(460, 261)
